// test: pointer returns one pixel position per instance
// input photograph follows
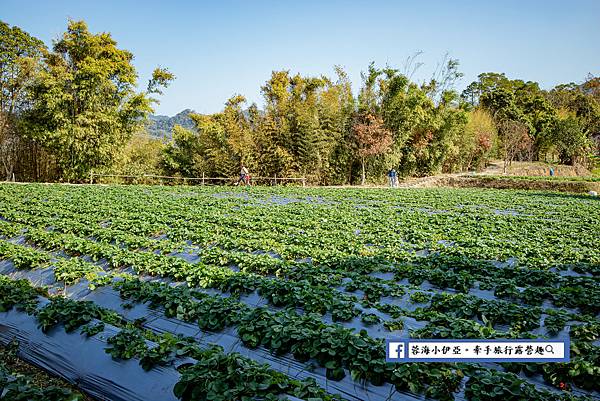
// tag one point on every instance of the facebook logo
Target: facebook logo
(477, 350)
(395, 350)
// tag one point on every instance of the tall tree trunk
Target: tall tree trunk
(363, 177)
(7, 170)
(350, 165)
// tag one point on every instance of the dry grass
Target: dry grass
(483, 181)
(536, 169)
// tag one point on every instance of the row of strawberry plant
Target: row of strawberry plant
(156, 204)
(282, 293)
(575, 294)
(304, 336)
(319, 299)
(163, 206)
(130, 342)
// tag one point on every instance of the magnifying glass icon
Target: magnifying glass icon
(549, 349)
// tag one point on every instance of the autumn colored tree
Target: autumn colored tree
(591, 86)
(372, 139)
(515, 140)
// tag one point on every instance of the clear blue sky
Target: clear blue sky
(220, 48)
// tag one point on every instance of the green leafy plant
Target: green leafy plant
(91, 330)
(72, 270)
(126, 344)
(393, 325)
(72, 314)
(370, 319)
(419, 297)
(18, 293)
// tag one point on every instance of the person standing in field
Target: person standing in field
(392, 176)
(244, 176)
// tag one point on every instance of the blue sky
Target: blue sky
(220, 48)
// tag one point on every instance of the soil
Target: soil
(38, 377)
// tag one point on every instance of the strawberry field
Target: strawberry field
(195, 293)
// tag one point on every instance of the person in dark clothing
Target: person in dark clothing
(392, 176)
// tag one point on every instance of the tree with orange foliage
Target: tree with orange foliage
(372, 138)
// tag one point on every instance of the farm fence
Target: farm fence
(152, 179)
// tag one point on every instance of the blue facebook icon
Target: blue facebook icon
(396, 350)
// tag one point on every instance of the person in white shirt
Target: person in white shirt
(244, 176)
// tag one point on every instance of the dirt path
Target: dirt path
(494, 168)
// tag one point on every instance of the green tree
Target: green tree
(570, 139)
(409, 113)
(370, 94)
(141, 155)
(20, 55)
(86, 107)
(486, 82)
(305, 119)
(580, 100)
(336, 110)
(225, 140)
(449, 128)
(182, 155)
(426, 121)
(443, 80)
(522, 102)
(275, 136)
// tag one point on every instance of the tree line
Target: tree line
(67, 110)
(75, 109)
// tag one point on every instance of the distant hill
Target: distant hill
(162, 126)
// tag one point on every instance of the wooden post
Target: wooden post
(91, 177)
(303, 181)
(275, 179)
(203, 178)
